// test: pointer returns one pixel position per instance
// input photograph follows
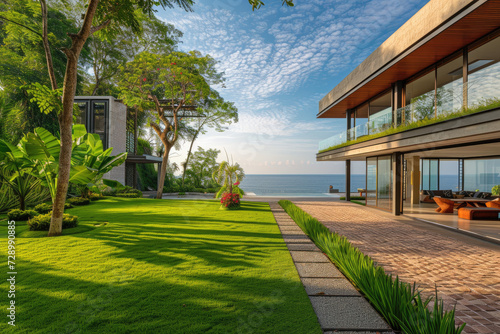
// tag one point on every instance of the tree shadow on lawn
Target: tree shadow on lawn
(168, 239)
(130, 301)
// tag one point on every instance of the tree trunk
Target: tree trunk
(163, 171)
(22, 203)
(65, 127)
(188, 156)
(46, 45)
(66, 118)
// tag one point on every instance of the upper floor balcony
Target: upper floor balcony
(464, 83)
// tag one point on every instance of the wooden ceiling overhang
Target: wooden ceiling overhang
(451, 36)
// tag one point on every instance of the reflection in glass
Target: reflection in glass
(420, 97)
(481, 174)
(380, 118)
(384, 183)
(449, 93)
(484, 74)
(371, 181)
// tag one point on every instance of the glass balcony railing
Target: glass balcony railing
(448, 101)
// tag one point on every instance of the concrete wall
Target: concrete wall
(430, 17)
(117, 133)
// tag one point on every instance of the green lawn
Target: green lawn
(159, 267)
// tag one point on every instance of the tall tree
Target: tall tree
(99, 14)
(167, 85)
(216, 114)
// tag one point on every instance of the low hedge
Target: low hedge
(47, 207)
(398, 302)
(78, 201)
(20, 215)
(42, 222)
(129, 195)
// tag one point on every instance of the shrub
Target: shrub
(96, 197)
(182, 193)
(495, 190)
(47, 207)
(230, 201)
(20, 215)
(78, 201)
(129, 195)
(398, 302)
(42, 222)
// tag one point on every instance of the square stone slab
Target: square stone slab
(303, 247)
(291, 229)
(315, 270)
(316, 257)
(347, 313)
(329, 287)
(286, 223)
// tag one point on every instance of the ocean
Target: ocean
(313, 185)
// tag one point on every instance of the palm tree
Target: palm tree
(226, 174)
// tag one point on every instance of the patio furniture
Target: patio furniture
(361, 191)
(469, 202)
(471, 213)
(445, 205)
(493, 204)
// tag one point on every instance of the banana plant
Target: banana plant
(42, 149)
(15, 172)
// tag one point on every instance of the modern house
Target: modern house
(117, 127)
(424, 107)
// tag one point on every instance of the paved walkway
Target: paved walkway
(465, 271)
(338, 305)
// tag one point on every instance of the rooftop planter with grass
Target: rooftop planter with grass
(400, 303)
(488, 105)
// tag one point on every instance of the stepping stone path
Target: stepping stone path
(340, 308)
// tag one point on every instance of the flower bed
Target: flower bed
(230, 201)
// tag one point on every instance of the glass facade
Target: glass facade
(449, 176)
(481, 174)
(484, 73)
(380, 118)
(429, 171)
(450, 86)
(371, 181)
(379, 182)
(94, 115)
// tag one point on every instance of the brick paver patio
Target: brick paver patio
(466, 273)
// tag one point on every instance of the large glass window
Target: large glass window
(481, 174)
(361, 121)
(430, 174)
(371, 181)
(380, 118)
(420, 98)
(484, 74)
(448, 174)
(93, 114)
(384, 183)
(450, 93)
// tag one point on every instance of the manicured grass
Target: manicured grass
(154, 266)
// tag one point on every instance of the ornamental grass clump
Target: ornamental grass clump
(398, 302)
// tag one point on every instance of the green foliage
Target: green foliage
(487, 105)
(398, 302)
(42, 222)
(228, 176)
(182, 193)
(495, 190)
(202, 164)
(256, 4)
(126, 192)
(48, 100)
(46, 207)
(358, 202)
(137, 194)
(20, 215)
(78, 201)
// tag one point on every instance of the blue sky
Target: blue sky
(278, 63)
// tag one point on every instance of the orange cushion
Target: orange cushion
(493, 204)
